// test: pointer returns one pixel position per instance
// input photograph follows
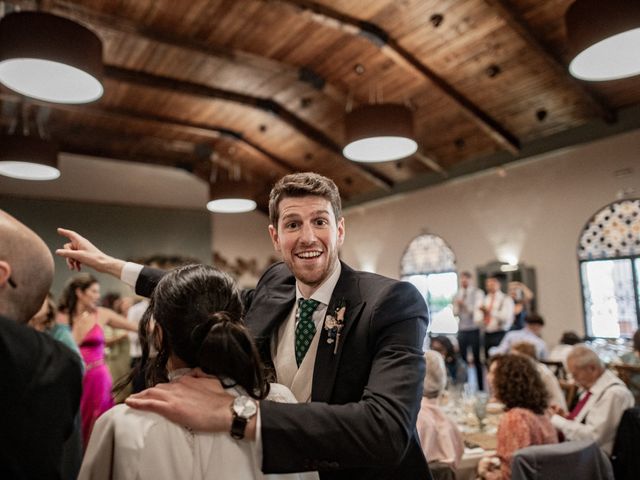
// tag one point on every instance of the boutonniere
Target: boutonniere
(334, 324)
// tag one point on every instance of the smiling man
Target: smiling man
(348, 344)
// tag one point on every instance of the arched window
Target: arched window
(430, 265)
(609, 256)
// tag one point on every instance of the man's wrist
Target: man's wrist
(113, 266)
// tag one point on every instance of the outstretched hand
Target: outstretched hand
(80, 251)
(199, 402)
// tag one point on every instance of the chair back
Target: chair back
(625, 458)
(557, 368)
(630, 375)
(581, 459)
(570, 391)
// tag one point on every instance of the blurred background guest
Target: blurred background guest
(79, 308)
(516, 383)
(522, 297)
(466, 306)
(497, 311)
(633, 359)
(439, 436)
(456, 368)
(603, 400)
(531, 333)
(117, 342)
(560, 352)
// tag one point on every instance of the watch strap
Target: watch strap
(238, 426)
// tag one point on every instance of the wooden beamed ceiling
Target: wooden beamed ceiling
(263, 85)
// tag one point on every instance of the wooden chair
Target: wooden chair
(630, 375)
(557, 368)
(570, 391)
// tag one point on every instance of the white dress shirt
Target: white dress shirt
(517, 336)
(501, 314)
(599, 418)
(469, 312)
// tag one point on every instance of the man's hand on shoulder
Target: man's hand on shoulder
(197, 402)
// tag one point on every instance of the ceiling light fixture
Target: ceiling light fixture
(604, 39)
(28, 158)
(50, 58)
(379, 133)
(231, 197)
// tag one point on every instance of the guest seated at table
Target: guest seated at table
(516, 383)
(554, 390)
(530, 333)
(439, 436)
(603, 401)
(198, 330)
(456, 368)
(560, 352)
(633, 358)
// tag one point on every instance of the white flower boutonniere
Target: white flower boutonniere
(334, 324)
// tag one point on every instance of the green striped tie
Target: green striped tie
(305, 329)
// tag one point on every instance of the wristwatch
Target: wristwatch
(243, 408)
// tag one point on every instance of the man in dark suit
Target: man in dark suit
(347, 343)
(41, 378)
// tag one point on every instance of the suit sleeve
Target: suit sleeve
(377, 428)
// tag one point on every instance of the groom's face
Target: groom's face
(308, 236)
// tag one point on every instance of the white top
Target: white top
(599, 418)
(517, 336)
(501, 315)
(469, 312)
(134, 315)
(555, 394)
(129, 444)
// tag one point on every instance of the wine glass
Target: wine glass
(480, 408)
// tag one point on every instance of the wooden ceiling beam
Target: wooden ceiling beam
(189, 88)
(515, 21)
(390, 47)
(207, 131)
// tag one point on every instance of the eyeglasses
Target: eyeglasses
(12, 283)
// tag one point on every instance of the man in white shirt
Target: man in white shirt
(601, 405)
(530, 333)
(466, 306)
(497, 313)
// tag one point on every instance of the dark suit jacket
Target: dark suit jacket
(40, 387)
(365, 397)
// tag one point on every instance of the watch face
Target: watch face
(245, 407)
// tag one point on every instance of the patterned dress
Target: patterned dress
(96, 384)
(519, 428)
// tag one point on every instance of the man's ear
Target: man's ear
(273, 233)
(5, 272)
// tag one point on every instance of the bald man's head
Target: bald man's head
(26, 270)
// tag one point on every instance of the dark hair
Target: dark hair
(199, 314)
(466, 273)
(50, 317)
(534, 318)
(303, 185)
(636, 341)
(570, 338)
(517, 383)
(448, 346)
(69, 299)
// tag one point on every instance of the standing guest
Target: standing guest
(515, 382)
(466, 306)
(603, 401)
(347, 343)
(456, 369)
(522, 297)
(439, 435)
(41, 378)
(79, 307)
(531, 333)
(197, 324)
(497, 313)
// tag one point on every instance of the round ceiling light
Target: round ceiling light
(604, 39)
(379, 133)
(231, 205)
(28, 158)
(50, 58)
(231, 196)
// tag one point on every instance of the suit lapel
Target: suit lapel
(326, 363)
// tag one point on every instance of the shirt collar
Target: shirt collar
(324, 291)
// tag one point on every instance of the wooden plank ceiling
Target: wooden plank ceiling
(261, 87)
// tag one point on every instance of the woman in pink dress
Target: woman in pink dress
(79, 307)
(516, 383)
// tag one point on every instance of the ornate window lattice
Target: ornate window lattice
(427, 254)
(613, 232)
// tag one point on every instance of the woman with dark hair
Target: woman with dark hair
(195, 320)
(456, 368)
(516, 383)
(79, 309)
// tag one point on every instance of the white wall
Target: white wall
(535, 213)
